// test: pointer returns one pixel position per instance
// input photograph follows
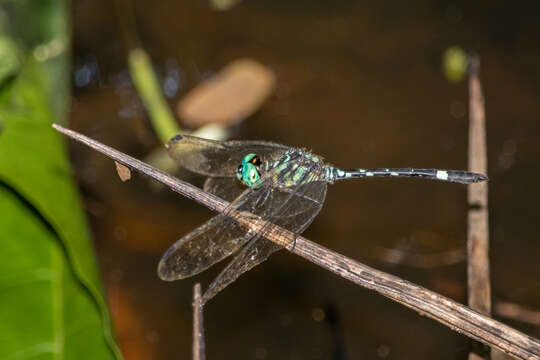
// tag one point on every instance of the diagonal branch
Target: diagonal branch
(456, 316)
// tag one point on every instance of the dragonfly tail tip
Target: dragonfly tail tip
(479, 178)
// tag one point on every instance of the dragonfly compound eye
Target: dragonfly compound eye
(248, 174)
(255, 160)
(251, 176)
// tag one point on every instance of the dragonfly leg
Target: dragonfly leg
(294, 243)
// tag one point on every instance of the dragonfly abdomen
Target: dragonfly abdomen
(463, 177)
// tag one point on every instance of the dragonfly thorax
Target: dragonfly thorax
(248, 172)
(298, 166)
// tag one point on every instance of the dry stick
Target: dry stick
(456, 316)
(198, 326)
(479, 286)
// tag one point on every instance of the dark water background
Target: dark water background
(360, 84)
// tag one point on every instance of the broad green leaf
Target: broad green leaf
(51, 299)
(51, 284)
(45, 311)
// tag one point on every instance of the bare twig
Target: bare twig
(198, 324)
(456, 316)
(479, 294)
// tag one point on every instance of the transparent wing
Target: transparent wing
(213, 241)
(197, 251)
(218, 158)
(227, 188)
(295, 214)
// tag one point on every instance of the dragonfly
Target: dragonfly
(282, 185)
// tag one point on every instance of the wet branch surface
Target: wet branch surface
(456, 316)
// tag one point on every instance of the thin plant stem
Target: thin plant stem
(144, 78)
(198, 324)
(478, 278)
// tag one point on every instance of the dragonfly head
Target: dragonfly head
(248, 171)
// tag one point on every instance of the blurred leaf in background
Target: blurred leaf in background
(455, 64)
(228, 97)
(10, 59)
(223, 5)
(51, 298)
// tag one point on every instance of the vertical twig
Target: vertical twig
(479, 287)
(198, 326)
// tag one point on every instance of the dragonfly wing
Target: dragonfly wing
(301, 205)
(211, 242)
(218, 158)
(227, 188)
(256, 251)
(197, 251)
(293, 210)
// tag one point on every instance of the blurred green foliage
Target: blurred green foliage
(10, 59)
(144, 79)
(455, 63)
(51, 298)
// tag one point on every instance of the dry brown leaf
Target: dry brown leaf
(123, 171)
(230, 96)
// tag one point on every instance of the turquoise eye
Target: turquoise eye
(248, 172)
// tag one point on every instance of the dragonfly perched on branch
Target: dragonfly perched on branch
(281, 185)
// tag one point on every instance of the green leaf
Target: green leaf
(41, 300)
(51, 299)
